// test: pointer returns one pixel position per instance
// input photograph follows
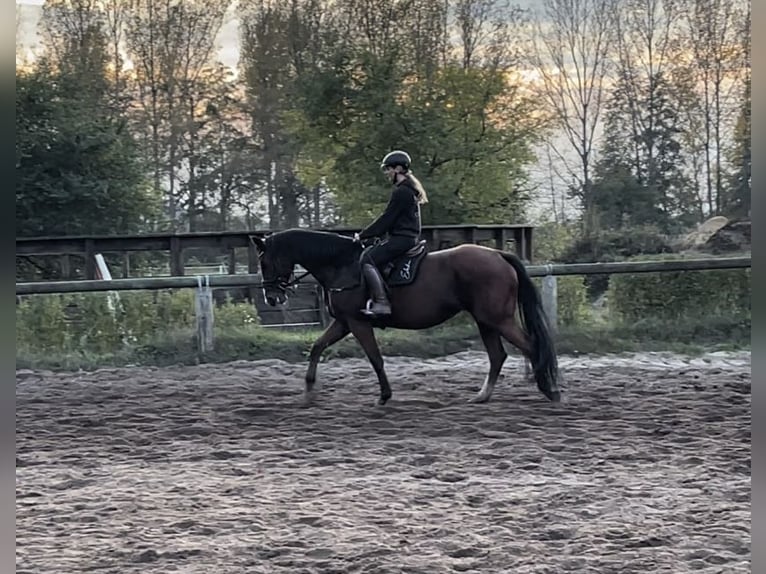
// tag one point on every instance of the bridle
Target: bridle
(284, 283)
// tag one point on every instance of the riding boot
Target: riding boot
(380, 304)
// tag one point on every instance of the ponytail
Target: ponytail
(422, 196)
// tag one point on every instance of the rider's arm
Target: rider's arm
(382, 224)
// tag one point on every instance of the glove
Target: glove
(357, 238)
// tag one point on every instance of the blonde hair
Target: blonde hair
(422, 195)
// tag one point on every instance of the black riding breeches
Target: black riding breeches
(389, 249)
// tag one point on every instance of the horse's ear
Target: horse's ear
(260, 245)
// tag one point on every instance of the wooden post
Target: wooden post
(66, 266)
(528, 243)
(521, 245)
(90, 259)
(203, 306)
(176, 257)
(232, 259)
(126, 264)
(550, 301)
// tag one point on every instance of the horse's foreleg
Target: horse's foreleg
(497, 356)
(364, 333)
(334, 333)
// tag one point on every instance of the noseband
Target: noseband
(282, 283)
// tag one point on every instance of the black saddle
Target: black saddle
(404, 269)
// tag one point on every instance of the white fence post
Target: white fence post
(203, 304)
(102, 272)
(550, 301)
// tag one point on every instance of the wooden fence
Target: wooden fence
(318, 315)
(71, 258)
(517, 238)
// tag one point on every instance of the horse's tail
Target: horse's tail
(535, 323)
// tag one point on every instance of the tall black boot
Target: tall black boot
(380, 304)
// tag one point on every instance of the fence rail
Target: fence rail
(254, 279)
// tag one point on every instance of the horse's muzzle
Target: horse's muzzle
(274, 299)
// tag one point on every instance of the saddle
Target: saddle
(404, 269)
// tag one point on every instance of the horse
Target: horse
(426, 288)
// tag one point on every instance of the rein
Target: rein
(285, 285)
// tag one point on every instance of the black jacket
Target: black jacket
(402, 214)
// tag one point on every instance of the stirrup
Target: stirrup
(369, 312)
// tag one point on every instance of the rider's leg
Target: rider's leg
(379, 303)
(376, 258)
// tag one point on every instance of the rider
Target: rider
(400, 220)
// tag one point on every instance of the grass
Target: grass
(692, 338)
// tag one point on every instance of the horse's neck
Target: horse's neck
(322, 268)
(305, 253)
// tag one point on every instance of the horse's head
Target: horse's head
(327, 256)
(276, 270)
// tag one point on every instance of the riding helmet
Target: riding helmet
(396, 157)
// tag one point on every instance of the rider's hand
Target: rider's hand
(357, 238)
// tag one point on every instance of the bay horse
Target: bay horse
(432, 287)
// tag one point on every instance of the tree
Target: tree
(570, 52)
(78, 169)
(170, 43)
(740, 188)
(281, 43)
(714, 29)
(463, 116)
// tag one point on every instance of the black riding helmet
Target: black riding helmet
(396, 157)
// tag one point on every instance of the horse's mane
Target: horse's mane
(321, 247)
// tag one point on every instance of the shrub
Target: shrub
(41, 323)
(571, 300)
(98, 323)
(613, 245)
(682, 295)
(573, 308)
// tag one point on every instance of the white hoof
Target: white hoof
(480, 398)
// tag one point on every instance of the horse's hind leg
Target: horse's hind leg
(497, 356)
(334, 333)
(515, 335)
(366, 336)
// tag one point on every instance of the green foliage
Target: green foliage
(41, 324)
(617, 245)
(553, 240)
(103, 323)
(677, 296)
(614, 245)
(231, 315)
(78, 169)
(573, 307)
(469, 132)
(640, 179)
(620, 200)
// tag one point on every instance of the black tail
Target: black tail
(535, 323)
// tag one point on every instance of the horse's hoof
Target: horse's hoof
(308, 399)
(479, 399)
(554, 396)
